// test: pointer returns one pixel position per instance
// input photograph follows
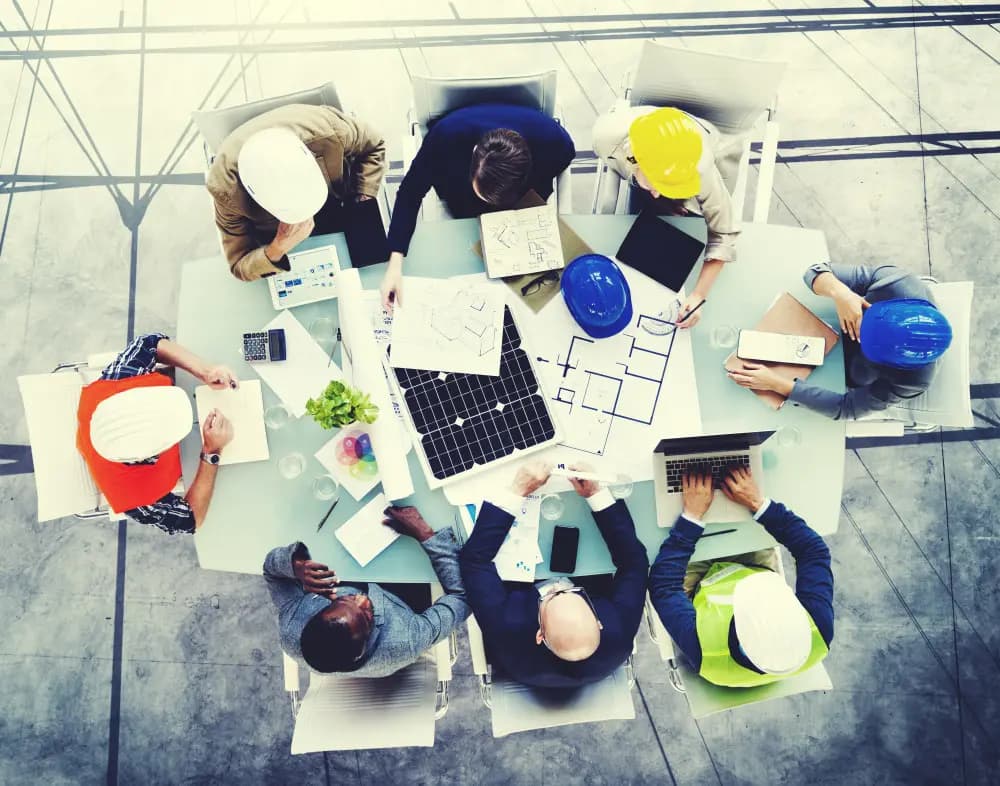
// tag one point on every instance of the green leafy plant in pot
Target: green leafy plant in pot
(341, 405)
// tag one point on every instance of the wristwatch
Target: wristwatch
(210, 458)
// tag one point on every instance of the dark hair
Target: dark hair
(501, 166)
(329, 645)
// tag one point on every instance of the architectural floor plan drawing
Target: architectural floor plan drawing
(447, 325)
(517, 242)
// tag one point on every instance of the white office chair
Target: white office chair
(705, 698)
(62, 480)
(515, 707)
(434, 97)
(732, 93)
(340, 712)
(947, 402)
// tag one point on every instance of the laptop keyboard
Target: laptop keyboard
(715, 465)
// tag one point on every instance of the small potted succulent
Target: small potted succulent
(340, 405)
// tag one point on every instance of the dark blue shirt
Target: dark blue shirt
(445, 158)
(813, 584)
(508, 612)
(171, 513)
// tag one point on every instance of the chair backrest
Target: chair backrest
(434, 97)
(730, 92)
(216, 124)
(354, 713)
(947, 401)
(62, 480)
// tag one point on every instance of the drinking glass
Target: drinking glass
(325, 487)
(277, 416)
(291, 465)
(551, 507)
(788, 437)
(723, 337)
(622, 487)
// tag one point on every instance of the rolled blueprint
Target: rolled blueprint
(387, 435)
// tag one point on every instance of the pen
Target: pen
(560, 470)
(720, 532)
(333, 349)
(323, 520)
(689, 313)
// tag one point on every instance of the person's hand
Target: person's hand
(216, 433)
(315, 577)
(758, 377)
(361, 198)
(689, 305)
(219, 378)
(740, 487)
(530, 478)
(407, 521)
(288, 237)
(391, 287)
(850, 308)
(696, 493)
(585, 488)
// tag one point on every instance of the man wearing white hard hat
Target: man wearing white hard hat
(736, 620)
(130, 422)
(287, 174)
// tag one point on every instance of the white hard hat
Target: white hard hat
(140, 423)
(771, 625)
(282, 176)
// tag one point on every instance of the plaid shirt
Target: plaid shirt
(171, 513)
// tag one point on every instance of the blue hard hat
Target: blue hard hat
(597, 295)
(904, 333)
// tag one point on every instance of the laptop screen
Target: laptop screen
(714, 443)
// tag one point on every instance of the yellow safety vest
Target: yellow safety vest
(713, 605)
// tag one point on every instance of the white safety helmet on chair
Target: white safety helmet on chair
(140, 423)
(772, 626)
(282, 176)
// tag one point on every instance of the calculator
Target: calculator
(264, 345)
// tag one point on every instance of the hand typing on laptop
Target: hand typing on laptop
(737, 484)
(741, 488)
(696, 491)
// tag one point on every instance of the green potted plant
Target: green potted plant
(340, 405)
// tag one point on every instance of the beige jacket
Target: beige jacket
(719, 153)
(350, 153)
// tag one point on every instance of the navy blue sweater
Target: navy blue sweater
(508, 612)
(813, 584)
(445, 157)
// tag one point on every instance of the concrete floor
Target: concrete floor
(123, 662)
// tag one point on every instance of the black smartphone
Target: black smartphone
(565, 541)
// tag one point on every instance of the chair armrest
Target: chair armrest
(659, 635)
(291, 674)
(478, 651)
(443, 649)
(99, 360)
(564, 191)
(765, 175)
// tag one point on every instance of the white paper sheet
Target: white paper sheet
(449, 325)
(343, 713)
(245, 409)
(364, 535)
(306, 372)
(330, 457)
(519, 553)
(518, 242)
(389, 438)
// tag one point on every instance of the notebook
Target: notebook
(364, 535)
(245, 409)
(521, 241)
(788, 316)
(365, 233)
(660, 250)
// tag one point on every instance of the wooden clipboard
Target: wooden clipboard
(788, 316)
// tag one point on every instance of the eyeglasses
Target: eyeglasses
(568, 591)
(540, 282)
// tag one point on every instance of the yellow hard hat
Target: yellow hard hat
(666, 146)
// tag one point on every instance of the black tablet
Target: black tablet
(660, 250)
(365, 233)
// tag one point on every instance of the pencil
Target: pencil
(720, 532)
(689, 313)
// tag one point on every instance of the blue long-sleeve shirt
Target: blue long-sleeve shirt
(813, 583)
(445, 157)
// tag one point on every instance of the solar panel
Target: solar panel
(465, 422)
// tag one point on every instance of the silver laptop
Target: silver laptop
(312, 277)
(714, 455)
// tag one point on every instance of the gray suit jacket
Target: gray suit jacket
(400, 636)
(871, 387)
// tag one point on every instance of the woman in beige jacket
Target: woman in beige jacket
(349, 154)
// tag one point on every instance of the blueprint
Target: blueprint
(449, 325)
(518, 242)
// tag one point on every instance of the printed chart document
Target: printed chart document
(245, 409)
(306, 372)
(364, 535)
(332, 457)
(451, 325)
(519, 242)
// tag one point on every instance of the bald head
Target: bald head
(569, 627)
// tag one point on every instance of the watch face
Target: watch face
(211, 458)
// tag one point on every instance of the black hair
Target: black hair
(501, 167)
(328, 644)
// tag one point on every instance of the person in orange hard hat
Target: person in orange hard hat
(680, 164)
